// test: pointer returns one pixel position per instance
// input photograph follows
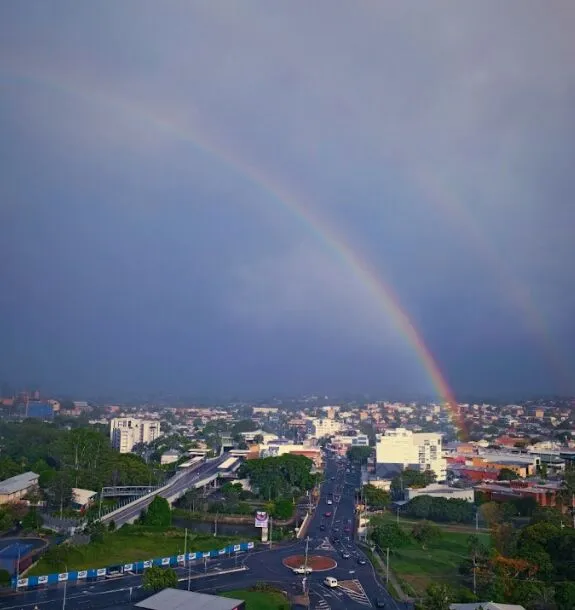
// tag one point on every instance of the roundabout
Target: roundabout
(318, 563)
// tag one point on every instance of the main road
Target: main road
(330, 533)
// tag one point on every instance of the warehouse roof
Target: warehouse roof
(18, 483)
(177, 599)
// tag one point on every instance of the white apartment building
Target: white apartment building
(125, 432)
(422, 450)
(320, 427)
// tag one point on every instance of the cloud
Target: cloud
(437, 139)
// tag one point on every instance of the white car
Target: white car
(302, 570)
(329, 502)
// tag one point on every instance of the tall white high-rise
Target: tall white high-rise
(125, 432)
(417, 450)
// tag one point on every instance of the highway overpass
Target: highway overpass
(174, 489)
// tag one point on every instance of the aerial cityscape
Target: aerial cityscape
(286, 305)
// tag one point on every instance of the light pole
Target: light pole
(65, 586)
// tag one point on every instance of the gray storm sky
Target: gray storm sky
(161, 162)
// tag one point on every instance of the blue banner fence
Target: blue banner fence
(135, 567)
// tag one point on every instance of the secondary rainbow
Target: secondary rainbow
(336, 243)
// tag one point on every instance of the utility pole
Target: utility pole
(189, 575)
(65, 589)
(216, 525)
(185, 546)
(387, 566)
(304, 580)
(101, 498)
(476, 520)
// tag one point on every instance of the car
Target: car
(361, 561)
(302, 570)
(328, 501)
(327, 514)
(322, 527)
(345, 554)
(380, 603)
(330, 581)
(347, 529)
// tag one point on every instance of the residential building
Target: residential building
(126, 432)
(250, 437)
(82, 498)
(361, 440)
(400, 448)
(320, 427)
(15, 488)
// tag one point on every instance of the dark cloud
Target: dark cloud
(156, 164)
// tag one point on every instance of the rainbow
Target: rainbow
(303, 213)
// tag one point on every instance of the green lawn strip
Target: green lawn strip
(439, 562)
(466, 528)
(119, 548)
(260, 600)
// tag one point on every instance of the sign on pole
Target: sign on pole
(261, 519)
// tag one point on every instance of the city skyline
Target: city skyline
(340, 199)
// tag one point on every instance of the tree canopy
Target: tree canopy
(277, 477)
(157, 578)
(158, 513)
(359, 454)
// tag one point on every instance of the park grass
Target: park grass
(127, 545)
(260, 600)
(417, 568)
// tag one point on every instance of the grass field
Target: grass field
(256, 600)
(439, 562)
(120, 547)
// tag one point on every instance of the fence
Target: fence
(131, 568)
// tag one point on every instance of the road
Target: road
(182, 482)
(359, 584)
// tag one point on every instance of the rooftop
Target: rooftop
(177, 599)
(18, 483)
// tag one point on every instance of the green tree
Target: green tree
(506, 474)
(491, 513)
(410, 478)
(59, 491)
(157, 578)
(424, 532)
(5, 578)
(159, 513)
(283, 509)
(438, 597)
(389, 535)
(359, 455)
(375, 497)
(565, 595)
(33, 520)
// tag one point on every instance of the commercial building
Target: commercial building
(177, 599)
(436, 490)
(126, 432)
(399, 448)
(15, 488)
(250, 437)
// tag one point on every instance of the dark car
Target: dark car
(322, 527)
(379, 603)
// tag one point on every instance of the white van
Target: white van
(330, 581)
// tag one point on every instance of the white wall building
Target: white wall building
(361, 440)
(407, 449)
(320, 427)
(125, 432)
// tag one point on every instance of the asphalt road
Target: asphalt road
(327, 535)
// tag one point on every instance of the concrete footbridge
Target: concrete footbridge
(198, 476)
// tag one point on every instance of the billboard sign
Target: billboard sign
(261, 519)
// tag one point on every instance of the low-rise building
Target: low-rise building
(169, 457)
(15, 488)
(82, 499)
(436, 490)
